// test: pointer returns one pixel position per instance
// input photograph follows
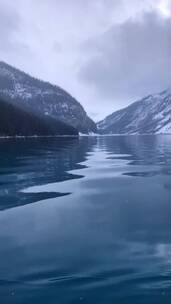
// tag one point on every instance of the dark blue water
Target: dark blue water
(85, 220)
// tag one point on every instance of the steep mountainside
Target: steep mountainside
(15, 121)
(42, 98)
(149, 115)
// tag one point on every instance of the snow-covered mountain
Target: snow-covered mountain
(151, 114)
(42, 98)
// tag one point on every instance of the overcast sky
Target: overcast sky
(106, 53)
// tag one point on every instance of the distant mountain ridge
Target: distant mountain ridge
(150, 115)
(42, 98)
(15, 121)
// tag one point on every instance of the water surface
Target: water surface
(85, 220)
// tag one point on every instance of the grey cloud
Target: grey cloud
(116, 62)
(13, 47)
(130, 60)
(9, 24)
(57, 47)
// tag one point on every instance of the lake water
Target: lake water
(85, 220)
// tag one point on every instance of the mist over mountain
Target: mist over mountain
(150, 115)
(42, 98)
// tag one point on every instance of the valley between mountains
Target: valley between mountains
(29, 106)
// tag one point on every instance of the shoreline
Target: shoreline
(80, 135)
